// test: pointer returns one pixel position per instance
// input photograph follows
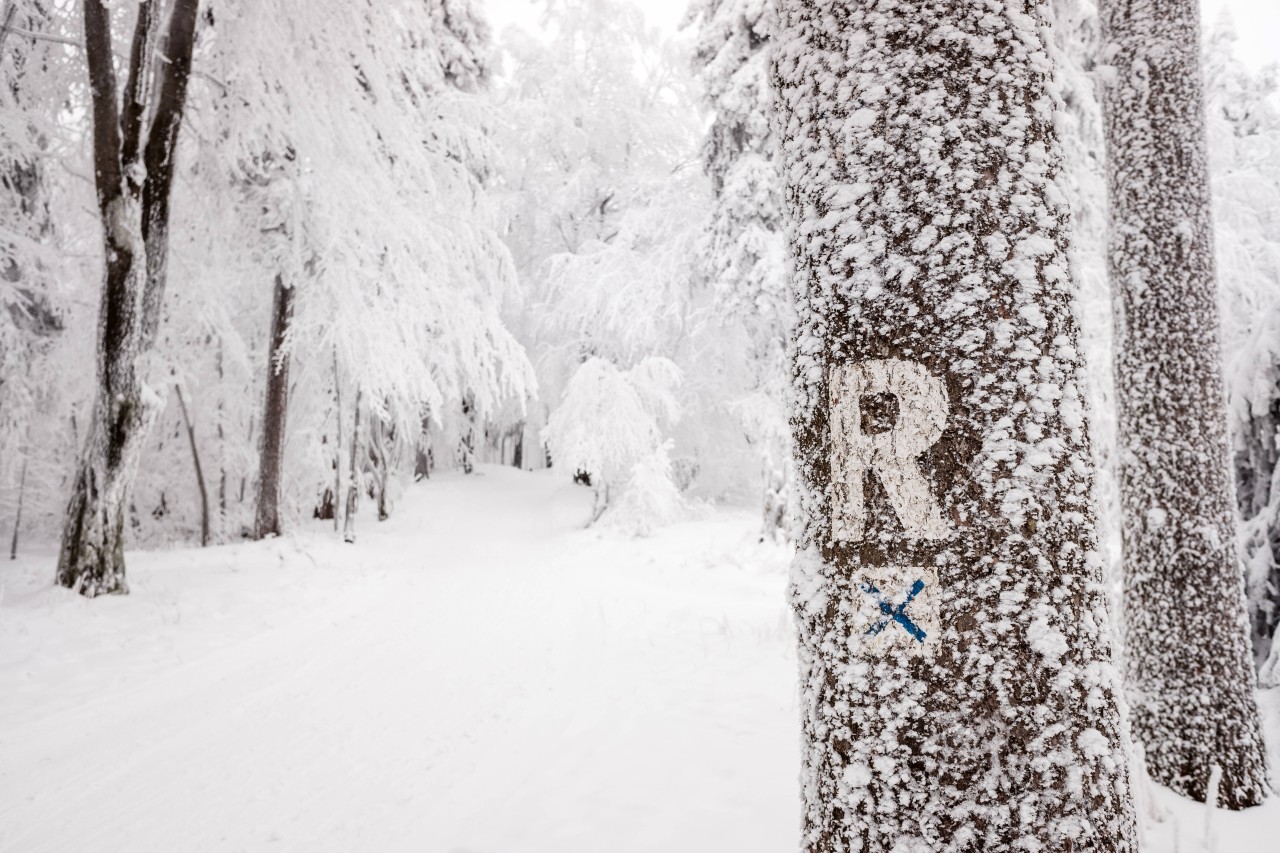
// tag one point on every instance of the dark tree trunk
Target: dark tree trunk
(337, 447)
(957, 689)
(422, 462)
(1188, 666)
(274, 411)
(133, 165)
(467, 445)
(17, 516)
(1259, 503)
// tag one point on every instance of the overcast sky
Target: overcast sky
(1257, 21)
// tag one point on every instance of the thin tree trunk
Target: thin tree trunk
(422, 452)
(195, 457)
(133, 164)
(337, 447)
(222, 449)
(1187, 658)
(244, 478)
(1258, 499)
(274, 414)
(957, 690)
(17, 517)
(353, 486)
(382, 453)
(775, 527)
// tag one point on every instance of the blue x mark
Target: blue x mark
(895, 614)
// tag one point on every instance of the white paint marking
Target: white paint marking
(922, 415)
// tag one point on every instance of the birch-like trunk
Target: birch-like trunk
(1188, 670)
(957, 686)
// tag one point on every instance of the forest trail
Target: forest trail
(477, 675)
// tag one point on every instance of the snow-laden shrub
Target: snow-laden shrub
(651, 498)
(609, 422)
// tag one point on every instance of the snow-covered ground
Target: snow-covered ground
(477, 675)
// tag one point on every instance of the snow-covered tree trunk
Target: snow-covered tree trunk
(134, 141)
(195, 459)
(353, 481)
(1187, 662)
(1257, 469)
(957, 687)
(274, 414)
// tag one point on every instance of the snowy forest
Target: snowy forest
(524, 425)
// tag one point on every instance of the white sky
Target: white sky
(1257, 26)
(1257, 21)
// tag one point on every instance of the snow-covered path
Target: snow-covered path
(478, 675)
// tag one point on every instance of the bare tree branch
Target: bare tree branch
(106, 121)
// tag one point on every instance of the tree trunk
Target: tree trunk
(353, 485)
(274, 410)
(383, 456)
(337, 446)
(422, 452)
(1258, 499)
(195, 457)
(17, 516)
(957, 690)
(133, 165)
(776, 519)
(222, 449)
(1187, 663)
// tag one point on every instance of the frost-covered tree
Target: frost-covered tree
(1189, 673)
(361, 186)
(609, 430)
(1244, 164)
(33, 310)
(606, 207)
(743, 252)
(135, 136)
(956, 678)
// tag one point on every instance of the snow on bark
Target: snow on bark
(928, 229)
(134, 174)
(1243, 125)
(275, 411)
(1188, 671)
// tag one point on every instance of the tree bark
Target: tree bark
(195, 457)
(274, 411)
(337, 446)
(957, 689)
(133, 165)
(1187, 662)
(383, 456)
(17, 516)
(353, 485)
(1258, 499)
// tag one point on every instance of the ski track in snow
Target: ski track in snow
(477, 675)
